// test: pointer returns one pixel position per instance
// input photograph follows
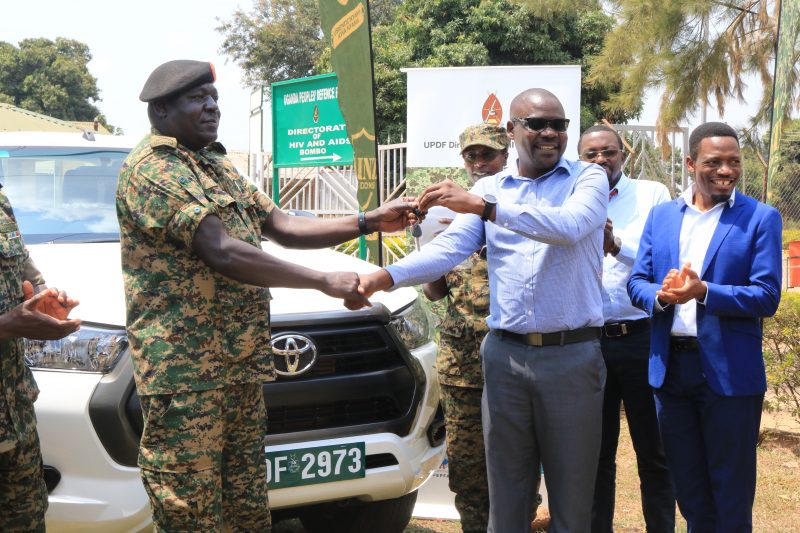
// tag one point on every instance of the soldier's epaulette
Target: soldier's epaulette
(217, 147)
(162, 141)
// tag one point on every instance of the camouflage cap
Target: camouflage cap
(485, 135)
(176, 76)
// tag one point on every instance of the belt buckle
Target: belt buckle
(534, 339)
(622, 329)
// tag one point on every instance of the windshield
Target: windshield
(62, 194)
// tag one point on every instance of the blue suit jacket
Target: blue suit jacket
(742, 269)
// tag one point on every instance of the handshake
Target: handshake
(355, 290)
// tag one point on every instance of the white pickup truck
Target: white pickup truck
(349, 440)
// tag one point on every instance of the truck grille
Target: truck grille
(328, 415)
(360, 379)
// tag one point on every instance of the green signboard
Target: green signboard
(308, 129)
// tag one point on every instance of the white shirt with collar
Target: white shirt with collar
(628, 209)
(697, 229)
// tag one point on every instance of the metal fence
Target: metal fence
(651, 161)
(331, 191)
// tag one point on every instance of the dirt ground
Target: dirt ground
(777, 505)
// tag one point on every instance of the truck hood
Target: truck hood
(92, 273)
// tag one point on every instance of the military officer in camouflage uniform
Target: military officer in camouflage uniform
(196, 287)
(23, 495)
(484, 148)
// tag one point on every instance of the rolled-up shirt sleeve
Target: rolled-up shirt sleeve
(263, 203)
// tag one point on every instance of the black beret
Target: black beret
(176, 76)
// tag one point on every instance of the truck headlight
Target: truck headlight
(413, 325)
(90, 349)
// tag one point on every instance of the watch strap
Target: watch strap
(487, 209)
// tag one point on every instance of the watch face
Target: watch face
(490, 199)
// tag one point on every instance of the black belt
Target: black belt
(684, 344)
(626, 327)
(557, 338)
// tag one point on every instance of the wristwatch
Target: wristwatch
(617, 246)
(489, 203)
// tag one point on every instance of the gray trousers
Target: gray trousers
(541, 404)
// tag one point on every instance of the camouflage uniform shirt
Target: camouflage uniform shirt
(464, 324)
(190, 328)
(16, 379)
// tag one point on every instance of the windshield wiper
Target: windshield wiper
(73, 238)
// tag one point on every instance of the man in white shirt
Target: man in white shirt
(626, 342)
(706, 363)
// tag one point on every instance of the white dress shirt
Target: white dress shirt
(628, 210)
(697, 229)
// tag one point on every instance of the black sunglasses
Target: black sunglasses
(539, 124)
(471, 156)
(591, 155)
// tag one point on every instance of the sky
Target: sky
(129, 39)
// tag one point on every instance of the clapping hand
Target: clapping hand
(51, 302)
(680, 286)
(41, 316)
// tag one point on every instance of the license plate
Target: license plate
(308, 466)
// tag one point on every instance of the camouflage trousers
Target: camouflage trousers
(23, 494)
(202, 460)
(466, 458)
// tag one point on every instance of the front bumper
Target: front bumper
(96, 493)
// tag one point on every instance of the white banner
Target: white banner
(444, 101)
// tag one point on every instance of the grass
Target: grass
(777, 505)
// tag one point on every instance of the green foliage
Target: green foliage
(281, 39)
(782, 355)
(278, 40)
(699, 50)
(784, 193)
(790, 235)
(754, 162)
(439, 33)
(49, 77)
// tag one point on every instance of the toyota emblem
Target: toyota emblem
(295, 353)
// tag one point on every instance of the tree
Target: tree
(280, 39)
(698, 50)
(438, 33)
(784, 191)
(50, 77)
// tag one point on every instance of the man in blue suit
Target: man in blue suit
(708, 270)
